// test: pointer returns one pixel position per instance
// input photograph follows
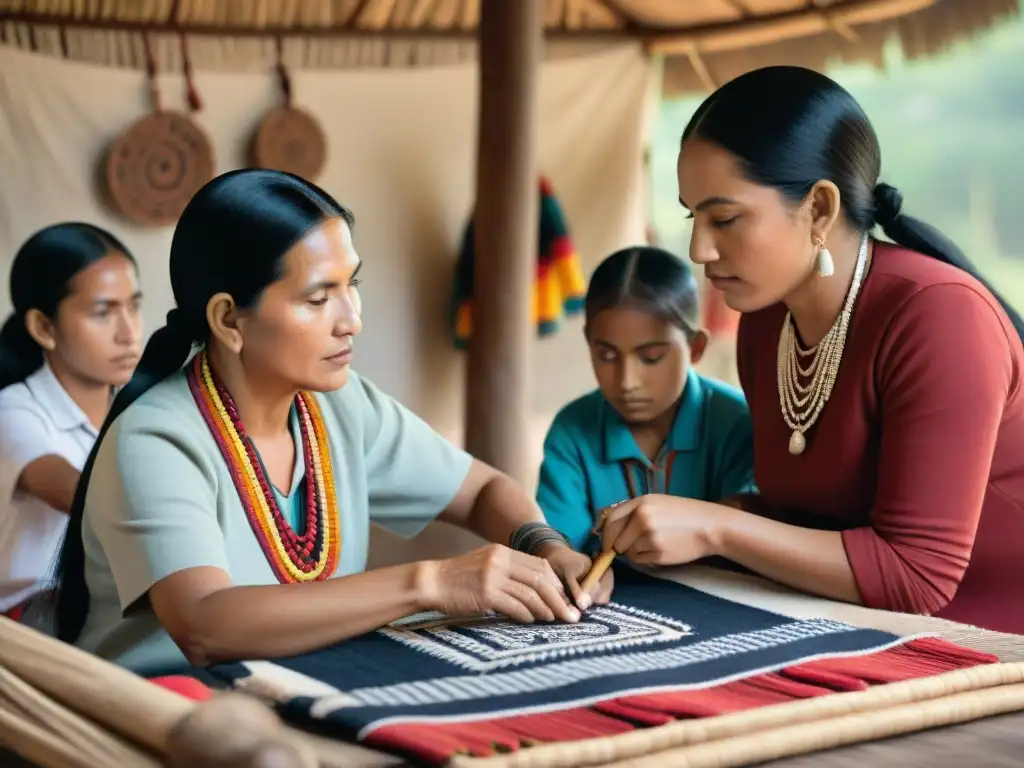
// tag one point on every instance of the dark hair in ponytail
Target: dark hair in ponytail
(41, 278)
(807, 128)
(231, 238)
(649, 279)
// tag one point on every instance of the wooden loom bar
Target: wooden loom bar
(109, 695)
(498, 364)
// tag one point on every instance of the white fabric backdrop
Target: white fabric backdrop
(402, 148)
(401, 155)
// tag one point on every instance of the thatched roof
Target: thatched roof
(705, 41)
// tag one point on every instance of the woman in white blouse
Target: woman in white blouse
(73, 338)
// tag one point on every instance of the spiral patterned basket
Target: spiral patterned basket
(290, 139)
(155, 167)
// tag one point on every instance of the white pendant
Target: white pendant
(797, 443)
(826, 265)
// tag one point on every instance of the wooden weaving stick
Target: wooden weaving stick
(600, 566)
(603, 561)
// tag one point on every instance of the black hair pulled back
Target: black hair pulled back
(807, 128)
(231, 238)
(41, 278)
(649, 279)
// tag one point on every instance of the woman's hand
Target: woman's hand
(660, 530)
(572, 567)
(496, 578)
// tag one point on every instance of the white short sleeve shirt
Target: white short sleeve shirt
(37, 418)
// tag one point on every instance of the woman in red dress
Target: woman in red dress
(884, 379)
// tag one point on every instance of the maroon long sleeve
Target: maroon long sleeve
(918, 458)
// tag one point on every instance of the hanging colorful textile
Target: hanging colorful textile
(558, 287)
(432, 688)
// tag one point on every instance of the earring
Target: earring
(826, 266)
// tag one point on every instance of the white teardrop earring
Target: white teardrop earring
(826, 266)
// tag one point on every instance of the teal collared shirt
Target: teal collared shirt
(591, 459)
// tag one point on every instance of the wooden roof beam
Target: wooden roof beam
(844, 31)
(805, 22)
(420, 11)
(621, 19)
(740, 7)
(751, 32)
(372, 14)
(347, 29)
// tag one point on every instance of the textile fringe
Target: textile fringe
(839, 731)
(437, 743)
(787, 730)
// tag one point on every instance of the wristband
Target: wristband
(529, 538)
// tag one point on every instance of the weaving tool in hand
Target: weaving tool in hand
(604, 560)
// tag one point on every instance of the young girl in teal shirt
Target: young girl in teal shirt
(653, 425)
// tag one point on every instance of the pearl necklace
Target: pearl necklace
(802, 404)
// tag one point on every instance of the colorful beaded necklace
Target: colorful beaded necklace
(313, 555)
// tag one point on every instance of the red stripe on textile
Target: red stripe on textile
(16, 612)
(187, 686)
(436, 743)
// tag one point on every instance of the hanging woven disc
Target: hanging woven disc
(155, 167)
(291, 140)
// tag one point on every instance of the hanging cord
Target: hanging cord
(174, 17)
(631, 468)
(194, 102)
(154, 88)
(282, 73)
